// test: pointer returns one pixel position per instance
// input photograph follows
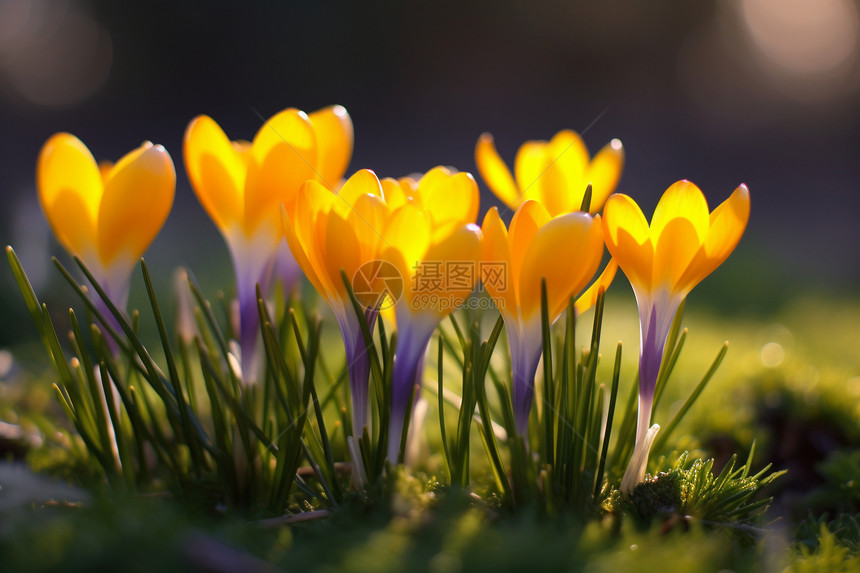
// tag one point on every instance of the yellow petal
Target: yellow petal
(405, 241)
(622, 212)
(283, 157)
(70, 190)
(313, 205)
(527, 220)
(449, 198)
(727, 224)
(563, 181)
(673, 252)
(529, 166)
(334, 138)
(216, 171)
(105, 168)
(604, 172)
(368, 219)
(496, 268)
(300, 251)
(341, 252)
(635, 259)
(685, 201)
(395, 192)
(137, 198)
(627, 237)
(458, 254)
(495, 173)
(362, 182)
(589, 298)
(565, 276)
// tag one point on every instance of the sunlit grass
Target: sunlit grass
(795, 365)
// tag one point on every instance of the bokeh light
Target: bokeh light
(807, 47)
(52, 53)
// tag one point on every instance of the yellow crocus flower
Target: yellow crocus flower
(402, 225)
(516, 261)
(105, 214)
(554, 173)
(242, 184)
(431, 239)
(330, 233)
(663, 262)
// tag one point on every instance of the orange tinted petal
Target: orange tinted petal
(283, 157)
(70, 191)
(685, 201)
(622, 212)
(396, 194)
(497, 278)
(458, 253)
(334, 138)
(627, 237)
(341, 252)
(674, 251)
(565, 276)
(728, 222)
(137, 198)
(604, 172)
(300, 251)
(530, 217)
(368, 219)
(362, 182)
(589, 298)
(406, 240)
(216, 171)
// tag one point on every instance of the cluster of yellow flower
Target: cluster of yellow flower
(412, 243)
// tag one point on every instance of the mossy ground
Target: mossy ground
(791, 382)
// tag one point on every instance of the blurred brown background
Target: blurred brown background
(757, 91)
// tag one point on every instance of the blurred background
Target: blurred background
(764, 92)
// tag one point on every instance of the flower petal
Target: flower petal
(589, 298)
(137, 198)
(368, 218)
(216, 171)
(622, 212)
(529, 165)
(70, 190)
(405, 242)
(396, 193)
(728, 222)
(563, 182)
(334, 138)
(496, 259)
(583, 240)
(283, 153)
(300, 251)
(341, 251)
(674, 250)
(458, 253)
(682, 200)
(495, 173)
(604, 172)
(527, 220)
(627, 237)
(449, 197)
(362, 182)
